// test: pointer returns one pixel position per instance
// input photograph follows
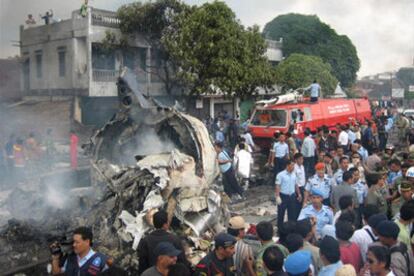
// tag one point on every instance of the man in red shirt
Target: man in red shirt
(73, 150)
(350, 251)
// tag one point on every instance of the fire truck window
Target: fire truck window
(296, 116)
(269, 118)
(308, 114)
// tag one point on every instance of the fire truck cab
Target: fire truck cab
(280, 116)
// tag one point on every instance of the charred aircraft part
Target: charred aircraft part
(146, 157)
(151, 157)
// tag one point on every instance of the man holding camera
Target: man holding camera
(83, 261)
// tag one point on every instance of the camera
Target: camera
(61, 246)
(56, 249)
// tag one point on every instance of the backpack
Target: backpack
(402, 248)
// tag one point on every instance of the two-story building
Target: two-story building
(68, 60)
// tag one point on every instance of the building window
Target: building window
(39, 64)
(102, 59)
(62, 62)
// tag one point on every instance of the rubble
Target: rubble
(146, 158)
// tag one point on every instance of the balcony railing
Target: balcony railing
(105, 75)
(104, 18)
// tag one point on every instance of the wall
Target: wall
(49, 40)
(10, 73)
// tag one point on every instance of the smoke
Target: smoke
(43, 185)
(149, 142)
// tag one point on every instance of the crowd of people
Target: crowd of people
(22, 156)
(344, 207)
(349, 205)
(349, 186)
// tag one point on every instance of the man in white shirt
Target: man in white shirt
(343, 139)
(300, 177)
(249, 139)
(243, 161)
(308, 151)
(365, 236)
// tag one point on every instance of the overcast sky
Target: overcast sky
(381, 30)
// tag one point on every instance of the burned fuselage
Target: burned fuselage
(147, 157)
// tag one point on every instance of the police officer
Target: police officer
(321, 181)
(318, 212)
(280, 154)
(287, 192)
(84, 260)
(343, 167)
(220, 260)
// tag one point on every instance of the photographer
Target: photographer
(83, 260)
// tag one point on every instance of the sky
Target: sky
(381, 30)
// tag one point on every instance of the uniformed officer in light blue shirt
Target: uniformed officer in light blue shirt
(359, 186)
(280, 154)
(317, 211)
(287, 193)
(343, 167)
(321, 181)
(315, 89)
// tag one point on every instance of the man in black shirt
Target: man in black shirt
(220, 260)
(147, 245)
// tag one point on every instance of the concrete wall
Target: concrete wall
(10, 74)
(48, 40)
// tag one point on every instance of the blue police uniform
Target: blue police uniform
(338, 177)
(325, 185)
(287, 183)
(392, 176)
(323, 217)
(361, 190)
(281, 150)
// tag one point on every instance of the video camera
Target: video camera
(62, 247)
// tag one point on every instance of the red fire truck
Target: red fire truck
(292, 112)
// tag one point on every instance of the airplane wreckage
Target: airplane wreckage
(147, 157)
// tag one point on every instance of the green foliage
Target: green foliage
(215, 52)
(406, 75)
(150, 20)
(298, 71)
(306, 34)
(109, 43)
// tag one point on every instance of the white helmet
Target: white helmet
(410, 172)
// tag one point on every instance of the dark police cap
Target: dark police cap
(166, 249)
(224, 240)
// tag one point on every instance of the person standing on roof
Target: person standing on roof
(315, 90)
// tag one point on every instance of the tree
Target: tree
(216, 53)
(299, 71)
(406, 75)
(306, 34)
(150, 20)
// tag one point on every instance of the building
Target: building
(68, 60)
(10, 70)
